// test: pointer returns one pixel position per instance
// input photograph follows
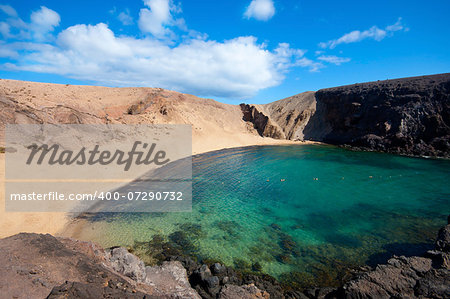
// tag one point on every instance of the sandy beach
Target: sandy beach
(215, 126)
(101, 105)
(56, 223)
(13, 223)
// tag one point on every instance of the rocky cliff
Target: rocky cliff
(292, 114)
(407, 116)
(261, 122)
(283, 119)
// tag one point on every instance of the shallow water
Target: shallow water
(304, 213)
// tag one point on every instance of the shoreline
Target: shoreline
(62, 223)
(68, 226)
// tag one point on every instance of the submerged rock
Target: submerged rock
(407, 277)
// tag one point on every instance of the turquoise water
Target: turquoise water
(299, 213)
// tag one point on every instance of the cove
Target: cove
(303, 214)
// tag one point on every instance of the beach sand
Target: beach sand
(215, 126)
(16, 222)
(63, 224)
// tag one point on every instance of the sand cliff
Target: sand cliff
(214, 125)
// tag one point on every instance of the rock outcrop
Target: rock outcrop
(170, 278)
(292, 114)
(408, 116)
(126, 263)
(261, 122)
(219, 281)
(242, 292)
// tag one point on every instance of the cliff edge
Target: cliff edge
(408, 116)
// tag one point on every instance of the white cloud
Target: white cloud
(334, 59)
(318, 52)
(43, 21)
(158, 18)
(235, 68)
(6, 51)
(125, 18)
(396, 27)
(5, 30)
(9, 10)
(355, 36)
(312, 65)
(261, 10)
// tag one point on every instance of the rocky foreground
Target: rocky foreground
(43, 266)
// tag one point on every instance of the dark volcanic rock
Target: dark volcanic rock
(242, 292)
(36, 266)
(32, 264)
(407, 116)
(218, 268)
(443, 240)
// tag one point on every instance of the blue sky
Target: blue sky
(255, 51)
